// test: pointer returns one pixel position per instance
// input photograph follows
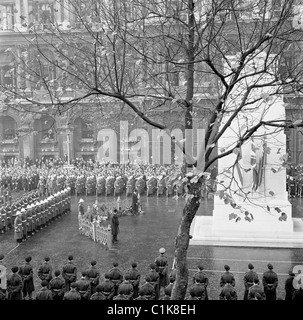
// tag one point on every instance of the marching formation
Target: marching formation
(131, 284)
(98, 178)
(31, 212)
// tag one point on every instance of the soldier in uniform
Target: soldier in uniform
(69, 273)
(26, 273)
(255, 290)
(154, 279)
(197, 290)
(249, 279)
(168, 289)
(98, 295)
(289, 287)
(38, 215)
(116, 276)
(83, 286)
(93, 276)
(29, 220)
(162, 269)
(44, 293)
(2, 220)
(18, 233)
(126, 288)
(227, 277)
(57, 286)
(147, 289)
(34, 218)
(81, 207)
(24, 223)
(134, 279)
(203, 278)
(270, 283)
(3, 279)
(73, 293)
(45, 271)
(14, 285)
(108, 287)
(228, 292)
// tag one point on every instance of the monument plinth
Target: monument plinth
(251, 206)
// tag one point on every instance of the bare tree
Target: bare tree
(166, 51)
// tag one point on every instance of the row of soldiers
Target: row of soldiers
(30, 213)
(37, 215)
(156, 285)
(65, 285)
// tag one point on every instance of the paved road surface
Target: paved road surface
(140, 239)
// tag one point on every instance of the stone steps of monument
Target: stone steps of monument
(203, 235)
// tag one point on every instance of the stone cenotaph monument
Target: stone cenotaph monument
(251, 206)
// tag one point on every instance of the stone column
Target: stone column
(26, 10)
(57, 7)
(66, 10)
(17, 14)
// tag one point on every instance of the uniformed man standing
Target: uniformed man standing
(107, 287)
(73, 293)
(162, 269)
(26, 273)
(18, 233)
(227, 277)
(116, 276)
(3, 279)
(44, 293)
(200, 274)
(154, 279)
(256, 291)
(270, 283)
(83, 286)
(228, 292)
(126, 288)
(98, 295)
(45, 271)
(289, 287)
(69, 273)
(197, 290)
(249, 278)
(14, 285)
(93, 275)
(147, 289)
(134, 279)
(24, 223)
(57, 286)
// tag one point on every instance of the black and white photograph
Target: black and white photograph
(151, 150)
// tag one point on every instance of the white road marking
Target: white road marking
(13, 249)
(250, 260)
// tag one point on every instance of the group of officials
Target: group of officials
(129, 285)
(31, 213)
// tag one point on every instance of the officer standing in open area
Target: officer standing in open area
(270, 283)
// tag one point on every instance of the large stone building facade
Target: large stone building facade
(74, 135)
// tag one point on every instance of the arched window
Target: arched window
(84, 128)
(7, 72)
(46, 128)
(8, 127)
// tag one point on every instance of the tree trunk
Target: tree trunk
(182, 241)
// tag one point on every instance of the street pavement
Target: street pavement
(140, 238)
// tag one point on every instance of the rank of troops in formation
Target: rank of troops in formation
(157, 284)
(31, 213)
(102, 180)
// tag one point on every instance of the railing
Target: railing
(95, 231)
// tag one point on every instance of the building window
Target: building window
(8, 125)
(7, 17)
